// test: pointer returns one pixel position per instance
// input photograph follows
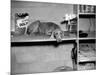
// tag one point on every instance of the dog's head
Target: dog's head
(58, 34)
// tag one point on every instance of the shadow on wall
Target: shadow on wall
(87, 24)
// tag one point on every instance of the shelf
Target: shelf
(85, 59)
(87, 38)
(87, 15)
(32, 40)
(42, 40)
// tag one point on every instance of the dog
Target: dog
(47, 28)
(33, 27)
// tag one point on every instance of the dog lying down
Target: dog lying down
(47, 28)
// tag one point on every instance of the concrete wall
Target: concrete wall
(33, 59)
(52, 12)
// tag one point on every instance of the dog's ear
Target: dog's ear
(54, 34)
(37, 22)
(62, 33)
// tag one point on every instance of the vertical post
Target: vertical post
(74, 56)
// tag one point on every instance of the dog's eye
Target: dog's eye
(61, 33)
(56, 33)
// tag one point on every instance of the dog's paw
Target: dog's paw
(51, 37)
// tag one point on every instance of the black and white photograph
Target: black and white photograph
(52, 37)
